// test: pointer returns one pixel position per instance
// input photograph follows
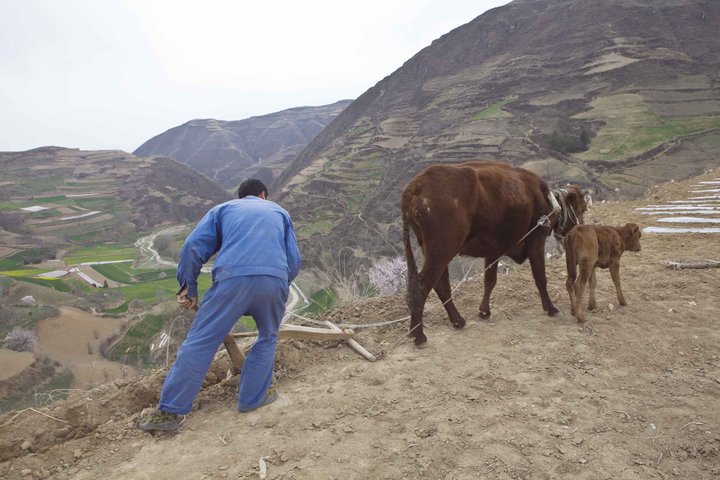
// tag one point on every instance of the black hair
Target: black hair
(251, 186)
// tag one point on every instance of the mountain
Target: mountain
(616, 95)
(230, 151)
(60, 195)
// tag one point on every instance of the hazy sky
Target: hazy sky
(104, 74)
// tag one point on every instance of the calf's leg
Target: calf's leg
(580, 283)
(615, 274)
(592, 303)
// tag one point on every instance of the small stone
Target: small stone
(223, 467)
(77, 453)
(611, 307)
(25, 472)
(26, 445)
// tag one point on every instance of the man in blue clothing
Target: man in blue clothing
(257, 258)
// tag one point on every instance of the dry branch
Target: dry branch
(677, 265)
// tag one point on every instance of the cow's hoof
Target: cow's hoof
(553, 311)
(484, 315)
(623, 303)
(459, 323)
(421, 341)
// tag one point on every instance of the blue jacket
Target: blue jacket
(251, 236)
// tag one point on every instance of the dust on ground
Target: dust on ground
(633, 393)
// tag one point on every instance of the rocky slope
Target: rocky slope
(616, 96)
(230, 151)
(51, 195)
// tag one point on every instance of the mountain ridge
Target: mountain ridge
(231, 150)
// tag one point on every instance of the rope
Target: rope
(543, 221)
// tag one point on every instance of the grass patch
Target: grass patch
(122, 308)
(24, 316)
(632, 127)
(55, 284)
(321, 301)
(26, 257)
(56, 389)
(28, 272)
(494, 111)
(135, 346)
(152, 275)
(114, 272)
(99, 253)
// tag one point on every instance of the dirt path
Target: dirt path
(635, 393)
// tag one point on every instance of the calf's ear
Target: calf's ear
(588, 198)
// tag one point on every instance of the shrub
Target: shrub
(21, 340)
(389, 276)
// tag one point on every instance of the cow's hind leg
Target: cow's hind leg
(489, 283)
(442, 289)
(416, 298)
(427, 279)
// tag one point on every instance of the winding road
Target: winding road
(152, 258)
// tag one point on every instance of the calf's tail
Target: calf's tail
(570, 259)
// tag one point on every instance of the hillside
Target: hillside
(616, 96)
(230, 151)
(634, 393)
(55, 196)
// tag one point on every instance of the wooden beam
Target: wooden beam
(352, 343)
(237, 357)
(299, 332)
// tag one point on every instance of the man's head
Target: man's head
(252, 186)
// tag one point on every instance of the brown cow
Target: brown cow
(592, 246)
(480, 210)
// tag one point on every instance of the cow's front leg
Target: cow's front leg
(537, 265)
(442, 289)
(490, 282)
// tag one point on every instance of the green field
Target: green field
(495, 110)
(632, 127)
(134, 348)
(99, 253)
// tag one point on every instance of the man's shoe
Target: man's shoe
(270, 396)
(160, 420)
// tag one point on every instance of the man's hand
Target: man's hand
(185, 301)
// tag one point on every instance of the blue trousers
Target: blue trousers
(261, 296)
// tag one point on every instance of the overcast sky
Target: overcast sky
(104, 74)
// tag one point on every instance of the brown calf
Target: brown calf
(592, 246)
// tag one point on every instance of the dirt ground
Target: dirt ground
(634, 393)
(73, 338)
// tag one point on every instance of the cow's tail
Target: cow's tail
(413, 278)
